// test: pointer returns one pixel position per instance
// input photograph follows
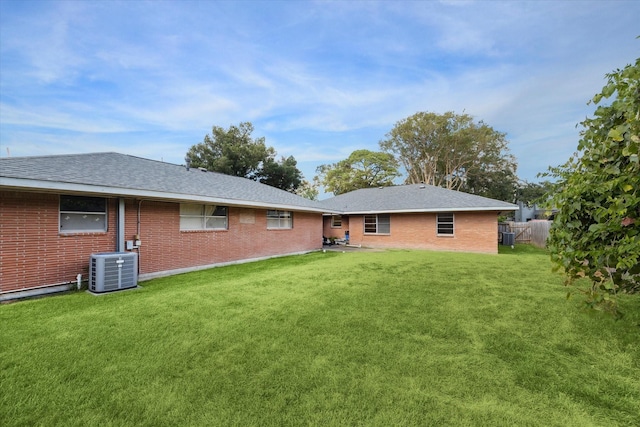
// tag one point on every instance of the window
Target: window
(279, 219)
(82, 214)
(377, 224)
(202, 217)
(444, 224)
(336, 221)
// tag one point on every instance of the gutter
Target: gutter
(120, 224)
(41, 185)
(431, 210)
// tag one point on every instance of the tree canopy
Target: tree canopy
(531, 193)
(453, 151)
(495, 184)
(362, 169)
(281, 174)
(234, 152)
(231, 151)
(596, 232)
(309, 190)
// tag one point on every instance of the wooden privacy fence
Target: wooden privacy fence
(534, 232)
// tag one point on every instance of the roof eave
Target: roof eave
(56, 186)
(435, 210)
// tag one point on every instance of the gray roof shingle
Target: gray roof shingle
(124, 175)
(121, 174)
(412, 198)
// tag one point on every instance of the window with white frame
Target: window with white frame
(377, 224)
(203, 217)
(80, 214)
(445, 224)
(279, 219)
(336, 221)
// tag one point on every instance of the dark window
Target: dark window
(82, 214)
(377, 224)
(83, 204)
(445, 224)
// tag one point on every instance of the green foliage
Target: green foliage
(309, 190)
(235, 152)
(231, 152)
(453, 151)
(596, 233)
(531, 193)
(283, 174)
(362, 169)
(495, 184)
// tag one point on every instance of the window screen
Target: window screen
(279, 219)
(82, 214)
(445, 224)
(377, 224)
(203, 217)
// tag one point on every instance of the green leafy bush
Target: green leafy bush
(596, 232)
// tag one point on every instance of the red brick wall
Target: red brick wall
(329, 231)
(164, 247)
(33, 253)
(474, 232)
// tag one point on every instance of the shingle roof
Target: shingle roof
(412, 198)
(124, 175)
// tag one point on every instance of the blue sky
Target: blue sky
(318, 79)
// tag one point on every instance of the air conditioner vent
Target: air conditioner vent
(112, 271)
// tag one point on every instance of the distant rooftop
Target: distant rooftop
(412, 198)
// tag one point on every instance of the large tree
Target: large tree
(362, 169)
(451, 150)
(281, 174)
(596, 232)
(309, 190)
(234, 152)
(532, 193)
(231, 151)
(496, 184)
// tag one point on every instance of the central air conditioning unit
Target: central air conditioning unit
(113, 271)
(508, 239)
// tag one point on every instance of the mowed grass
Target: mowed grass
(373, 339)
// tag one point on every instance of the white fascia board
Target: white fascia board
(435, 210)
(50, 186)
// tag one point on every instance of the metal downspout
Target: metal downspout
(120, 227)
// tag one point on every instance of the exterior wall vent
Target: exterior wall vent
(113, 271)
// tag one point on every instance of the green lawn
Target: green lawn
(389, 338)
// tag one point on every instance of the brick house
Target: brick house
(416, 216)
(55, 211)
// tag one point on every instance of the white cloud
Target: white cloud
(318, 79)
(51, 117)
